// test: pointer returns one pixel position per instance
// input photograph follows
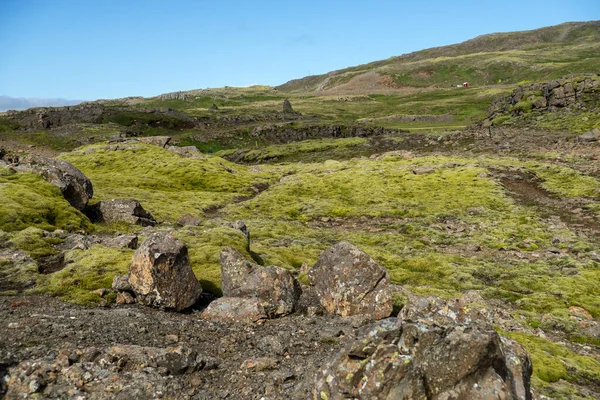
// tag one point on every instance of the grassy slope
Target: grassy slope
(513, 57)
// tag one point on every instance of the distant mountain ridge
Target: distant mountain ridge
(22, 103)
(512, 57)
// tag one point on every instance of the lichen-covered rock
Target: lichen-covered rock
(235, 309)
(121, 210)
(350, 283)
(161, 275)
(275, 287)
(75, 186)
(120, 283)
(435, 350)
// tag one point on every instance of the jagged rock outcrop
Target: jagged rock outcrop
(161, 276)
(276, 289)
(570, 91)
(75, 186)
(349, 282)
(435, 349)
(120, 210)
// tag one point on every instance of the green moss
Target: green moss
(28, 200)
(85, 272)
(35, 241)
(500, 120)
(523, 106)
(159, 178)
(552, 362)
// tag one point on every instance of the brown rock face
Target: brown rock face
(277, 290)
(161, 275)
(459, 356)
(74, 185)
(121, 210)
(349, 282)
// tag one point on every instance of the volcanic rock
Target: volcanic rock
(349, 282)
(287, 106)
(275, 287)
(161, 275)
(436, 350)
(189, 220)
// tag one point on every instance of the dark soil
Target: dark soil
(35, 326)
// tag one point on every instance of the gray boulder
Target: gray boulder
(275, 287)
(349, 282)
(161, 276)
(189, 220)
(121, 210)
(588, 137)
(74, 185)
(434, 350)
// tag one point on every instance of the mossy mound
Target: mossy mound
(28, 200)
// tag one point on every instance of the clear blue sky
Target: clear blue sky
(90, 49)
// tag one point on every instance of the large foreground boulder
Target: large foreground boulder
(434, 350)
(275, 287)
(161, 275)
(121, 210)
(349, 282)
(75, 186)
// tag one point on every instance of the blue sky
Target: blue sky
(90, 49)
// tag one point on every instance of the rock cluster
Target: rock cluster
(551, 96)
(434, 349)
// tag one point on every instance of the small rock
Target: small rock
(423, 170)
(160, 141)
(129, 241)
(287, 106)
(13, 325)
(101, 292)
(189, 220)
(235, 309)
(588, 137)
(259, 364)
(125, 298)
(120, 283)
(170, 339)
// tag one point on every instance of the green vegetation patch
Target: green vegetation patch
(552, 361)
(85, 272)
(28, 200)
(166, 184)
